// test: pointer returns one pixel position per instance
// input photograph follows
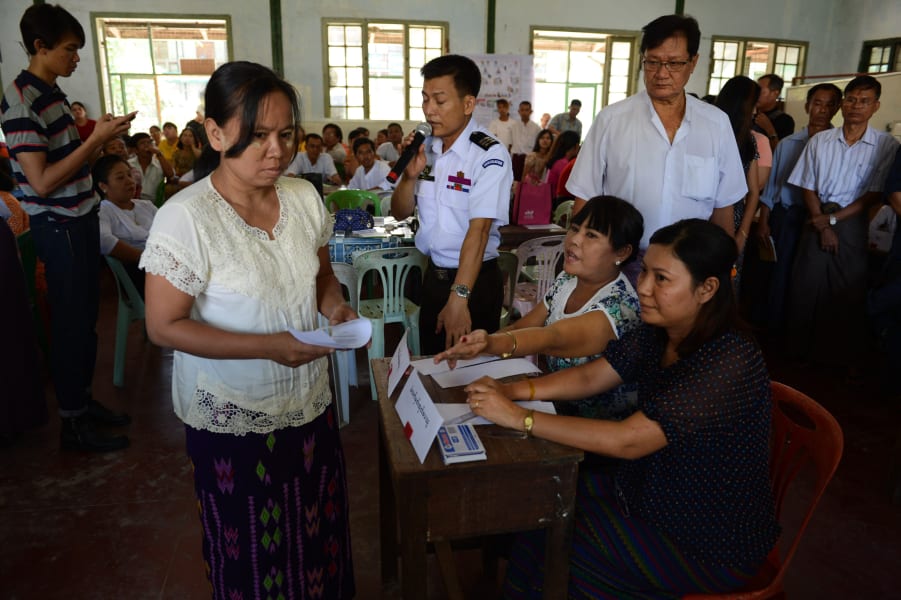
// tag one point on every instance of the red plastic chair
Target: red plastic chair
(803, 433)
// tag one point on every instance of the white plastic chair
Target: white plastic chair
(538, 260)
(344, 362)
(393, 266)
(564, 213)
(508, 263)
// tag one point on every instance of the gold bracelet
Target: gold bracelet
(531, 389)
(513, 349)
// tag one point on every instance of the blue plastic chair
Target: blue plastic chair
(131, 308)
(393, 266)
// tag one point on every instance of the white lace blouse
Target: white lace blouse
(243, 281)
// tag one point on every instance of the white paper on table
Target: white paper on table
(399, 363)
(450, 412)
(368, 233)
(496, 369)
(350, 334)
(420, 418)
(427, 366)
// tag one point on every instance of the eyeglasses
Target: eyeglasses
(855, 101)
(673, 66)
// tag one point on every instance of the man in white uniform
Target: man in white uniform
(671, 155)
(460, 180)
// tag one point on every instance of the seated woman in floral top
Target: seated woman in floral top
(689, 508)
(590, 295)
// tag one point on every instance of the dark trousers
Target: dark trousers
(70, 250)
(785, 226)
(484, 303)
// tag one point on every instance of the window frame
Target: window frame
(741, 61)
(894, 58)
(364, 25)
(610, 36)
(104, 79)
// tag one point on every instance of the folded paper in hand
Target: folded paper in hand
(350, 334)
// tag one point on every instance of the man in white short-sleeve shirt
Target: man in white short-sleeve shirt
(669, 154)
(841, 172)
(371, 173)
(313, 160)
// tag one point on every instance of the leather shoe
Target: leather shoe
(79, 434)
(101, 415)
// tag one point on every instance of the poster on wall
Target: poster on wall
(507, 76)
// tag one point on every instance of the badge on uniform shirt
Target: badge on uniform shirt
(426, 174)
(458, 182)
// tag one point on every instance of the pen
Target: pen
(461, 419)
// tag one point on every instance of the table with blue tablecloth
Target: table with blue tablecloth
(387, 234)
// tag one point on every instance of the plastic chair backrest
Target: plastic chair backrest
(347, 277)
(160, 197)
(546, 252)
(564, 213)
(393, 266)
(128, 293)
(353, 199)
(804, 434)
(508, 263)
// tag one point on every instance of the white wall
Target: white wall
(835, 29)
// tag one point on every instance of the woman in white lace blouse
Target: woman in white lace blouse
(233, 262)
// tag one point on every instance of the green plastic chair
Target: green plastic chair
(29, 265)
(354, 199)
(131, 308)
(393, 266)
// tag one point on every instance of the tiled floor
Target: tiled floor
(124, 525)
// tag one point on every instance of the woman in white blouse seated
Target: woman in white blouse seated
(124, 221)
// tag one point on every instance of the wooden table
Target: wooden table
(514, 235)
(526, 483)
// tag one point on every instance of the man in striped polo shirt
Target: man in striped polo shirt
(52, 167)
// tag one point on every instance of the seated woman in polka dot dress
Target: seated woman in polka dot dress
(690, 508)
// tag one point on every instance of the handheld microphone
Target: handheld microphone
(422, 131)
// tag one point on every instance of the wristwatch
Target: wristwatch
(832, 220)
(462, 290)
(528, 421)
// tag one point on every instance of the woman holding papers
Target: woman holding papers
(590, 295)
(232, 263)
(690, 508)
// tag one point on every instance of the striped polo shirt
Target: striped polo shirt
(36, 118)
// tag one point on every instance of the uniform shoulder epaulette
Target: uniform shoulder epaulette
(482, 140)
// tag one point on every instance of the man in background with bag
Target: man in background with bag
(460, 179)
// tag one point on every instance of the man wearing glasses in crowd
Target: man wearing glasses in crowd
(671, 155)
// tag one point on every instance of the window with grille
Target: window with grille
(881, 56)
(372, 69)
(754, 59)
(594, 67)
(159, 67)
